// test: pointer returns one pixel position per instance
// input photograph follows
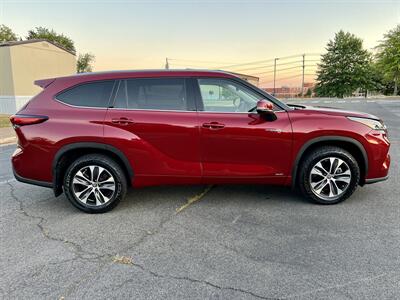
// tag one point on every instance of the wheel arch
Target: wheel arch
(347, 143)
(70, 152)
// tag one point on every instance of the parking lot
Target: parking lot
(202, 242)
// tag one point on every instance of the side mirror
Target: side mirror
(266, 110)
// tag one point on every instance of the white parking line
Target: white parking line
(341, 101)
(355, 101)
(328, 101)
(314, 101)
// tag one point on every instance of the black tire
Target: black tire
(319, 154)
(108, 164)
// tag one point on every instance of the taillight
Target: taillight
(22, 120)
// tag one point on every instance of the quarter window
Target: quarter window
(154, 94)
(224, 95)
(93, 94)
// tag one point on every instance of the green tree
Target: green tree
(308, 93)
(345, 67)
(52, 36)
(84, 63)
(388, 58)
(6, 34)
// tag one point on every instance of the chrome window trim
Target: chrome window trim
(116, 86)
(196, 111)
(78, 106)
(235, 112)
(123, 109)
(154, 110)
(162, 110)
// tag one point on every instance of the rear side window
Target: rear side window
(152, 93)
(93, 94)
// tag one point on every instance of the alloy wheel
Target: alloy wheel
(93, 185)
(329, 178)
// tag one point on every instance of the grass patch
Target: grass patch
(194, 199)
(5, 121)
(125, 260)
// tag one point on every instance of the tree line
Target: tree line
(85, 60)
(347, 66)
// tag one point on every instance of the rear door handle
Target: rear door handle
(122, 121)
(213, 125)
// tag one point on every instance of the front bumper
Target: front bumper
(378, 157)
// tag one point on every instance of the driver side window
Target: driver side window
(224, 95)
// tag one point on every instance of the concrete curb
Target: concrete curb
(8, 140)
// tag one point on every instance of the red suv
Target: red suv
(94, 135)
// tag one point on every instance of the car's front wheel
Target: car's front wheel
(329, 175)
(94, 183)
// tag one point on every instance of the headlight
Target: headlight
(374, 124)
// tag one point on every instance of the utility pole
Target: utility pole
(275, 73)
(166, 63)
(302, 77)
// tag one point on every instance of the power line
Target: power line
(294, 75)
(233, 65)
(277, 70)
(280, 73)
(263, 69)
(268, 66)
(238, 65)
(189, 66)
(290, 77)
(263, 61)
(248, 69)
(249, 63)
(200, 61)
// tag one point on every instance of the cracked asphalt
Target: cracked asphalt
(199, 242)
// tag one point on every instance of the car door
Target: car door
(238, 145)
(154, 121)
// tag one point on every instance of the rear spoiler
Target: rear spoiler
(44, 83)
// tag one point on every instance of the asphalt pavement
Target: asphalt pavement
(5, 163)
(226, 242)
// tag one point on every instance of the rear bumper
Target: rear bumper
(29, 165)
(32, 181)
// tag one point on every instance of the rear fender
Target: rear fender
(57, 175)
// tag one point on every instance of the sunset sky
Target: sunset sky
(140, 34)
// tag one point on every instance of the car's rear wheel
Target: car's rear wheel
(94, 183)
(329, 175)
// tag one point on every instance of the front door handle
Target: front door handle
(213, 125)
(122, 121)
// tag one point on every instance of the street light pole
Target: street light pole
(166, 63)
(302, 77)
(275, 73)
